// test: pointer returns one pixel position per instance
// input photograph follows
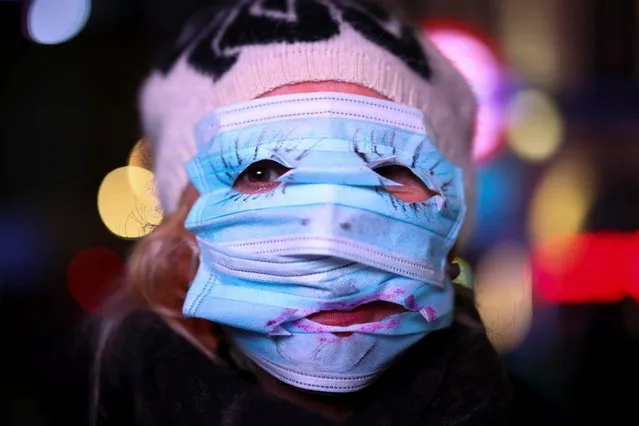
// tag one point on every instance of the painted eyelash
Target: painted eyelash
(232, 195)
(360, 154)
(236, 143)
(373, 141)
(230, 161)
(431, 169)
(227, 166)
(215, 172)
(280, 143)
(387, 195)
(305, 152)
(233, 160)
(392, 142)
(280, 152)
(416, 154)
(444, 186)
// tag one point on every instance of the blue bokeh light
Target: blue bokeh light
(56, 21)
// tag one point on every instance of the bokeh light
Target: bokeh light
(127, 202)
(479, 64)
(562, 199)
(499, 198)
(25, 246)
(93, 275)
(55, 21)
(634, 267)
(471, 55)
(583, 268)
(534, 126)
(504, 294)
(530, 42)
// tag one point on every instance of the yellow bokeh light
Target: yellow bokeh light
(534, 126)
(503, 288)
(529, 37)
(140, 157)
(561, 200)
(127, 202)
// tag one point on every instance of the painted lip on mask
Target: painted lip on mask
(369, 313)
(363, 314)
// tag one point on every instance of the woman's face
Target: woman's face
(262, 176)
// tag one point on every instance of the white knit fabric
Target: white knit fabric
(172, 103)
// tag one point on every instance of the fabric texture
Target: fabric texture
(230, 54)
(154, 377)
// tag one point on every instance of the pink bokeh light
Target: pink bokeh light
(478, 62)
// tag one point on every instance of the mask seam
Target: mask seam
(200, 297)
(288, 276)
(307, 114)
(328, 376)
(415, 114)
(331, 240)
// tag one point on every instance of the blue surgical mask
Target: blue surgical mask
(325, 236)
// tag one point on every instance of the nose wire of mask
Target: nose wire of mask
(325, 235)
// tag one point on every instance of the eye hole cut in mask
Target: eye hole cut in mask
(262, 176)
(412, 188)
(314, 204)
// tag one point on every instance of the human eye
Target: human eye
(413, 189)
(259, 177)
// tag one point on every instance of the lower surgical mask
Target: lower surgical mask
(297, 222)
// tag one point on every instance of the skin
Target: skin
(335, 407)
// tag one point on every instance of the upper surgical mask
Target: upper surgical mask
(323, 235)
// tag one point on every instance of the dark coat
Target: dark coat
(154, 377)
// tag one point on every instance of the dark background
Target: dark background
(68, 116)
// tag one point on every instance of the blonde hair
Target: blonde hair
(159, 270)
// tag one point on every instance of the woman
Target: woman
(309, 158)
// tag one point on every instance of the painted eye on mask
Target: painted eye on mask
(259, 177)
(413, 190)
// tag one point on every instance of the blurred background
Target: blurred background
(555, 255)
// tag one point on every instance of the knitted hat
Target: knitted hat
(234, 53)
